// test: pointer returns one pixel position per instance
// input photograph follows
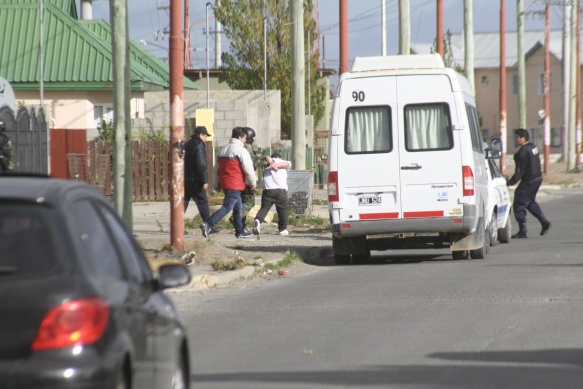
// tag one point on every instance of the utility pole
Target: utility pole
(383, 28)
(343, 36)
(298, 86)
(469, 43)
(574, 70)
(578, 78)
(439, 24)
(122, 156)
(404, 28)
(566, 74)
(521, 64)
(187, 53)
(547, 89)
(503, 135)
(176, 127)
(218, 49)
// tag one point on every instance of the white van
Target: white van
(406, 160)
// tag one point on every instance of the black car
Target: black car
(79, 304)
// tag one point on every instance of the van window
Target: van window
(475, 133)
(428, 127)
(368, 130)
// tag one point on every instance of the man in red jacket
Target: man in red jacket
(235, 172)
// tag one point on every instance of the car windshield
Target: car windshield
(26, 244)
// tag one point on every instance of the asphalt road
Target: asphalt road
(407, 320)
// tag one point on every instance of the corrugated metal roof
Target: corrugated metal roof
(487, 47)
(77, 54)
(67, 6)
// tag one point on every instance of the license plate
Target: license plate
(369, 200)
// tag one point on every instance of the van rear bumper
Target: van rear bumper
(465, 225)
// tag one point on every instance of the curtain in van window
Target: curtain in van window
(367, 130)
(427, 127)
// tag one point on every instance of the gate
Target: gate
(27, 130)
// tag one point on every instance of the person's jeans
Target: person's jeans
(279, 198)
(232, 201)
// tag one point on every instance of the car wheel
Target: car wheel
(341, 259)
(462, 254)
(493, 229)
(180, 377)
(504, 234)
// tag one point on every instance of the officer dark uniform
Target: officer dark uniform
(528, 172)
(248, 195)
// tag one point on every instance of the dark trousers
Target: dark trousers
(525, 199)
(194, 190)
(248, 200)
(279, 198)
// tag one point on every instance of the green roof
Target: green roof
(77, 53)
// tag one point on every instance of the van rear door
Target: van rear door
(429, 149)
(368, 179)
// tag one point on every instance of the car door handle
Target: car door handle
(411, 167)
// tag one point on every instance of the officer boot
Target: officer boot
(545, 224)
(522, 232)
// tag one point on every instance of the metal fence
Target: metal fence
(27, 131)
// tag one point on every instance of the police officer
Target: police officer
(248, 196)
(6, 164)
(528, 172)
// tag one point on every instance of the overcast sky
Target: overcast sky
(148, 16)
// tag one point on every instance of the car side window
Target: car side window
(132, 258)
(99, 255)
(494, 169)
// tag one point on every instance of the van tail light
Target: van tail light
(77, 322)
(333, 186)
(468, 181)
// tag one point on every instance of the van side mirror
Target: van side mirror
(495, 150)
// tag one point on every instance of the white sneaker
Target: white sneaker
(284, 232)
(256, 227)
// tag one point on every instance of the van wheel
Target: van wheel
(457, 255)
(341, 259)
(482, 251)
(493, 229)
(505, 233)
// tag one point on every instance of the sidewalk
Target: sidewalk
(152, 230)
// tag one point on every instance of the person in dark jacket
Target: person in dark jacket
(528, 172)
(196, 175)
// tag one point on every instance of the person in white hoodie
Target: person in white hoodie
(274, 192)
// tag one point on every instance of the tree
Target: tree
(447, 53)
(243, 68)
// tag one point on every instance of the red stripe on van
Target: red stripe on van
(413, 215)
(376, 216)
